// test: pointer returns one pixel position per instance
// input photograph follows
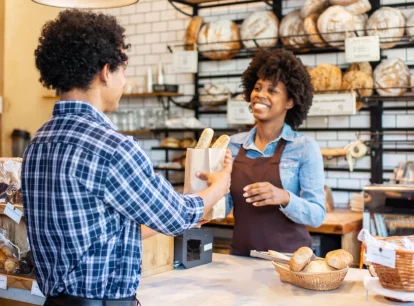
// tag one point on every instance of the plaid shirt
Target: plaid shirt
(86, 190)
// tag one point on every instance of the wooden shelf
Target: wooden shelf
(3, 207)
(20, 282)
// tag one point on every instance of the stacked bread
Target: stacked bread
(359, 77)
(326, 77)
(260, 29)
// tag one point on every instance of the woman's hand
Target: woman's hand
(264, 193)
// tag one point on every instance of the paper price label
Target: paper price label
(208, 247)
(362, 49)
(381, 256)
(185, 61)
(333, 104)
(13, 213)
(36, 290)
(238, 113)
(3, 282)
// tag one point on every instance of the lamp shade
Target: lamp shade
(86, 4)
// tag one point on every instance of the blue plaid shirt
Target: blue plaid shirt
(86, 190)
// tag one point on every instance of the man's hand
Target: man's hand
(264, 193)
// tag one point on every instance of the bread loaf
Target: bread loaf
(3, 259)
(410, 26)
(222, 142)
(360, 7)
(219, 40)
(358, 80)
(300, 259)
(313, 7)
(388, 23)
(205, 139)
(192, 31)
(188, 143)
(364, 67)
(412, 82)
(326, 77)
(360, 25)
(317, 266)
(334, 23)
(260, 25)
(292, 33)
(339, 259)
(311, 28)
(342, 2)
(170, 142)
(391, 73)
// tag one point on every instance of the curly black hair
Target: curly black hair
(75, 46)
(284, 66)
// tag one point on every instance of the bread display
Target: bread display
(388, 23)
(292, 32)
(358, 80)
(326, 77)
(360, 25)
(259, 25)
(342, 2)
(339, 259)
(364, 67)
(311, 28)
(300, 259)
(317, 266)
(410, 26)
(192, 31)
(391, 73)
(334, 23)
(170, 142)
(313, 7)
(188, 143)
(219, 40)
(205, 139)
(360, 7)
(213, 95)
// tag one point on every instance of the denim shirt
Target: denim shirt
(301, 173)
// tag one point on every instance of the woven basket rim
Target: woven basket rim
(283, 266)
(411, 237)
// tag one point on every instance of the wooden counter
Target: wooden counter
(231, 280)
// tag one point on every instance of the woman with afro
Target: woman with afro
(277, 184)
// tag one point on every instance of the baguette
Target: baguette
(222, 142)
(205, 139)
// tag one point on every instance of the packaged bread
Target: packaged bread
(333, 24)
(310, 25)
(3, 259)
(410, 26)
(170, 142)
(317, 266)
(388, 23)
(219, 40)
(358, 80)
(292, 33)
(300, 259)
(222, 142)
(259, 25)
(313, 7)
(339, 259)
(326, 77)
(342, 2)
(391, 73)
(364, 67)
(192, 31)
(12, 266)
(205, 139)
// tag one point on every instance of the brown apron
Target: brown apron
(262, 228)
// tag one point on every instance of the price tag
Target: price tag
(36, 290)
(185, 61)
(333, 105)
(208, 247)
(13, 213)
(362, 49)
(238, 113)
(381, 256)
(3, 282)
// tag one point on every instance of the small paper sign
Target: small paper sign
(36, 290)
(208, 247)
(381, 256)
(333, 104)
(3, 282)
(238, 113)
(185, 61)
(13, 213)
(362, 49)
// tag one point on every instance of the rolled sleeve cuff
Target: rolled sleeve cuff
(290, 209)
(195, 209)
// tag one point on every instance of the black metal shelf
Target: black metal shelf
(168, 149)
(169, 169)
(346, 169)
(345, 189)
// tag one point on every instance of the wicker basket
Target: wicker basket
(402, 277)
(314, 281)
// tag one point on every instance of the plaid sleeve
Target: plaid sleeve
(145, 197)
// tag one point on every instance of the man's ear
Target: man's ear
(104, 74)
(290, 104)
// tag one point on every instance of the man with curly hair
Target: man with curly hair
(277, 179)
(87, 189)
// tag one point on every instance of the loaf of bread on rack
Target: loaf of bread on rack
(333, 25)
(388, 23)
(326, 77)
(317, 266)
(292, 33)
(410, 26)
(170, 142)
(358, 80)
(360, 25)
(311, 28)
(310, 7)
(412, 83)
(192, 31)
(259, 25)
(219, 40)
(359, 7)
(342, 2)
(364, 67)
(300, 259)
(391, 73)
(339, 259)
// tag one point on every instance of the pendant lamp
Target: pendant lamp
(86, 4)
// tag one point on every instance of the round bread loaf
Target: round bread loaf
(339, 259)
(260, 25)
(410, 26)
(170, 142)
(360, 25)
(311, 28)
(326, 77)
(334, 23)
(300, 259)
(317, 266)
(358, 80)
(388, 23)
(360, 7)
(391, 73)
(364, 67)
(313, 7)
(188, 143)
(342, 2)
(219, 40)
(192, 31)
(291, 31)
(412, 82)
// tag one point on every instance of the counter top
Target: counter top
(240, 281)
(336, 222)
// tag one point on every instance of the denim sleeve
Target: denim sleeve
(309, 208)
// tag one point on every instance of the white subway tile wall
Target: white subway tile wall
(153, 24)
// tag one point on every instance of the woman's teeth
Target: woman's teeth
(260, 106)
